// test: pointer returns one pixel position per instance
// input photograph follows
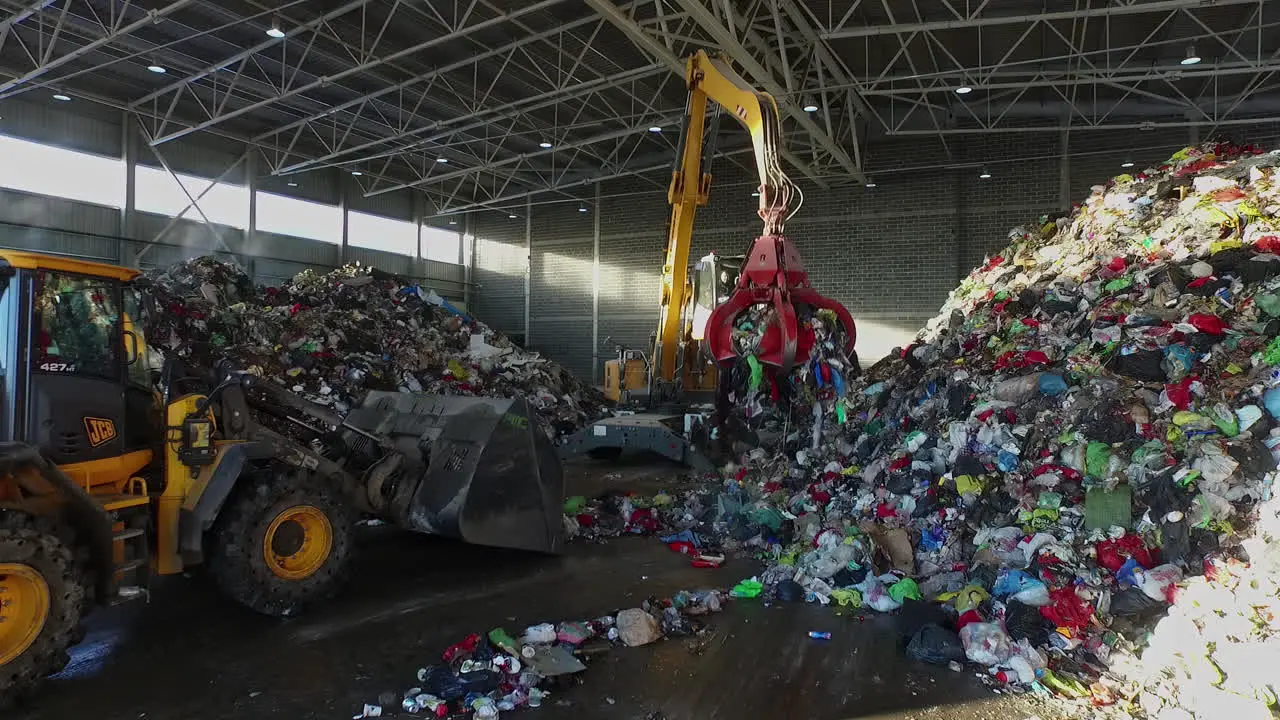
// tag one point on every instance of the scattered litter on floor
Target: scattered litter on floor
(331, 337)
(486, 675)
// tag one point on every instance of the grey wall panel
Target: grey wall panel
(390, 262)
(204, 156)
(86, 128)
(397, 205)
(58, 242)
(320, 186)
(302, 250)
(500, 265)
(58, 213)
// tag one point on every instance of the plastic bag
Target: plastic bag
(1021, 587)
(876, 596)
(904, 589)
(542, 633)
(1157, 583)
(1067, 609)
(935, 644)
(747, 589)
(986, 643)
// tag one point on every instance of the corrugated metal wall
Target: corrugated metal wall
(66, 227)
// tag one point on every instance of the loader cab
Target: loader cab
(75, 374)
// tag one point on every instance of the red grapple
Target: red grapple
(774, 275)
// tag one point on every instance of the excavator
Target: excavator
(693, 347)
(113, 471)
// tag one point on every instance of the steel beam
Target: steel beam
(647, 43)
(729, 41)
(978, 19)
(50, 63)
(362, 67)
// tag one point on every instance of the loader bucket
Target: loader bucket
(476, 469)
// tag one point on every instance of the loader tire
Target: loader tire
(41, 602)
(282, 543)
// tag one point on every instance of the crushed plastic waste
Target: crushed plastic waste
(1080, 444)
(331, 337)
(483, 676)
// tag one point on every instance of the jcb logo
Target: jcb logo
(99, 430)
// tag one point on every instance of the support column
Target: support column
(595, 290)
(468, 268)
(528, 268)
(251, 233)
(419, 209)
(128, 251)
(1064, 169)
(344, 187)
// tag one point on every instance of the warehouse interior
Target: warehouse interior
(514, 156)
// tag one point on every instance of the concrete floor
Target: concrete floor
(192, 655)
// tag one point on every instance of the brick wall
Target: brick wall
(890, 253)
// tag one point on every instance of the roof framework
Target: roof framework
(459, 99)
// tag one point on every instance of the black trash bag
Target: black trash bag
(480, 681)
(983, 576)
(1025, 621)
(935, 644)
(790, 591)
(959, 399)
(900, 482)
(1141, 365)
(1133, 603)
(845, 577)
(916, 614)
(1254, 457)
(440, 681)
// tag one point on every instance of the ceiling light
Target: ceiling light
(275, 31)
(964, 90)
(1126, 164)
(755, 194)
(582, 207)
(292, 183)
(442, 160)
(512, 216)
(453, 221)
(986, 174)
(544, 145)
(871, 183)
(61, 97)
(810, 107)
(1192, 58)
(357, 173)
(655, 128)
(158, 69)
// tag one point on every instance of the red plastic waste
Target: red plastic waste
(1211, 324)
(1067, 609)
(466, 647)
(1113, 553)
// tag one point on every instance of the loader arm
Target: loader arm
(713, 79)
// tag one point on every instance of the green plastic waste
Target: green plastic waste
(501, 639)
(1104, 509)
(574, 505)
(1226, 420)
(841, 415)
(1050, 500)
(1119, 283)
(746, 589)
(1096, 459)
(874, 427)
(767, 516)
(904, 589)
(1064, 684)
(1270, 304)
(757, 372)
(1271, 355)
(847, 597)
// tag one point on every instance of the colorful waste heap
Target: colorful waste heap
(330, 337)
(1081, 443)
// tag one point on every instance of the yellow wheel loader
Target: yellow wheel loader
(112, 472)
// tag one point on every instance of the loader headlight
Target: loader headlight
(198, 433)
(197, 442)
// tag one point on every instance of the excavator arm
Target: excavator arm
(773, 273)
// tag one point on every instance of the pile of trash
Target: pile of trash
(482, 676)
(330, 337)
(1082, 442)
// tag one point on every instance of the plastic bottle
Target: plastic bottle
(819, 635)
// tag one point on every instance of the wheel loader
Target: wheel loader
(113, 471)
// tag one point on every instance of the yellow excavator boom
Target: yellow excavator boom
(712, 79)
